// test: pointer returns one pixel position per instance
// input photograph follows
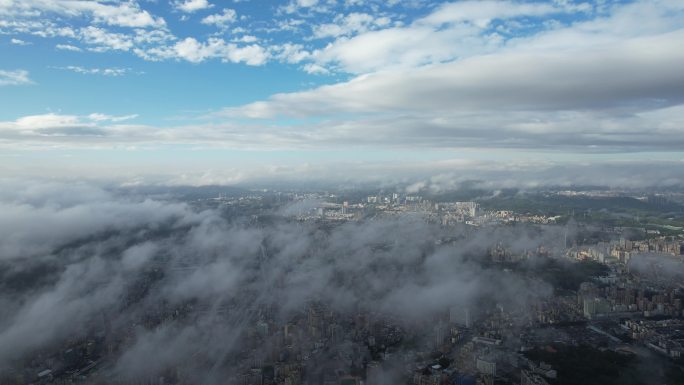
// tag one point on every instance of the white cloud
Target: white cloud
(464, 29)
(451, 31)
(636, 70)
(152, 37)
(221, 20)
(14, 78)
(190, 6)
(122, 14)
(404, 47)
(113, 71)
(125, 15)
(315, 69)
(98, 117)
(246, 39)
(350, 24)
(42, 28)
(103, 40)
(307, 3)
(194, 51)
(295, 5)
(364, 41)
(251, 54)
(352, 3)
(483, 12)
(19, 42)
(592, 86)
(291, 53)
(44, 121)
(53, 125)
(68, 47)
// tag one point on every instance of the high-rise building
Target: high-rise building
(529, 378)
(460, 316)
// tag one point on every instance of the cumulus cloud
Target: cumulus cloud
(103, 40)
(297, 5)
(121, 14)
(19, 42)
(221, 20)
(191, 6)
(68, 47)
(362, 41)
(290, 53)
(346, 25)
(195, 51)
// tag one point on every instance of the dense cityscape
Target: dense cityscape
(530, 297)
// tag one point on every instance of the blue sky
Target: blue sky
(155, 86)
(300, 88)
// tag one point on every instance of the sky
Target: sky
(235, 91)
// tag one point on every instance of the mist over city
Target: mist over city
(341, 192)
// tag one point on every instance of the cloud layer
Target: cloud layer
(99, 258)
